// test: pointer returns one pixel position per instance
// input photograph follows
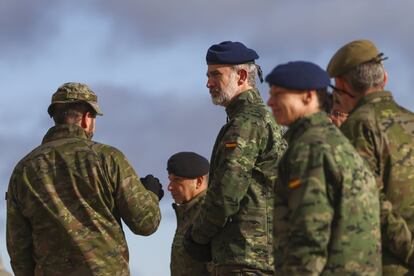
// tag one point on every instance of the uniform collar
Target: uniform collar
(186, 206)
(64, 131)
(298, 127)
(373, 97)
(245, 98)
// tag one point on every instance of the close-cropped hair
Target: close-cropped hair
(71, 113)
(365, 76)
(206, 179)
(251, 70)
(325, 99)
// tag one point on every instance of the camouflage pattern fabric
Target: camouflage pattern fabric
(237, 214)
(65, 203)
(383, 134)
(235, 270)
(326, 205)
(181, 263)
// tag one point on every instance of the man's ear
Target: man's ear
(242, 76)
(199, 182)
(385, 79)
(84, 120)
(307, 96)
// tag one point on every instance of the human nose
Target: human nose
(169, 187)
(210, 83)
(270, 101)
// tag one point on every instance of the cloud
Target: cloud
(24, 23)
(150, 128)
(279, 24)
(271, 26)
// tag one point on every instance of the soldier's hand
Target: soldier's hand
(199, 252)
(153, 184)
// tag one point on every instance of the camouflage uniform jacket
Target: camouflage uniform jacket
(383, 134)
(181, 263)
(326, 205)
(237, 214)
(65, 203)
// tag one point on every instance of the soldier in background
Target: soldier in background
(67, 197)
(326, 204)
(336, 114)
(383, 134)
(188, 175)
(235, 223)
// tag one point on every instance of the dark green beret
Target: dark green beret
(351, 55)
(188, 165)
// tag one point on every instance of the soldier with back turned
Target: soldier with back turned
(67, 197)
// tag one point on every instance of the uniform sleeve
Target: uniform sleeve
(280, 225)
(310, 214)
(397, 236)
(19, 233)
(138, 207)
(367, 143)
(396, 233)
(235, 156)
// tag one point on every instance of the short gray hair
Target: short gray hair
(365, 76)
(251, 72)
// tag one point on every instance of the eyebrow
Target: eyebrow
(175, 178)
(213, 73)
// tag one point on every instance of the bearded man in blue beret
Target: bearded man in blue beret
(326, 204)
(234, 227)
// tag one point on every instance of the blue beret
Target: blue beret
(298, 75)
(188, 165)
(229, 52)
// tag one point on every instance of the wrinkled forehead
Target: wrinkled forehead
(219, 68)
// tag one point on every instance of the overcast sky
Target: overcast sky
(146, 62)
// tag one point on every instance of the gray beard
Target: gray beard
(221, 99)
(225, 95)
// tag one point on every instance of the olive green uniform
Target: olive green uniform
(181, 263)
(237, 215)
(65, 203)
(383, 134)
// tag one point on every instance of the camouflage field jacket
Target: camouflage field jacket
(326, 205)
(65, 203)
(383, 134)
(237, 214)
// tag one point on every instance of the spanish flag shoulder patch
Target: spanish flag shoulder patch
(293, 184)
(230, 145)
